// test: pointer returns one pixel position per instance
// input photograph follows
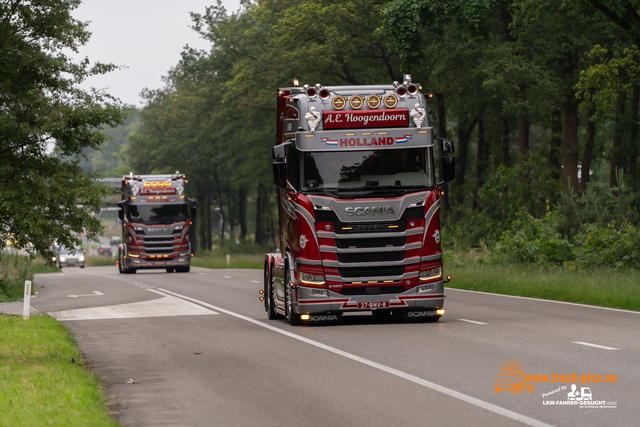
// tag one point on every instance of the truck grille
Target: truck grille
(158, 244)
(371, 271)
(375, 242)
(371, 256)
(372, 290)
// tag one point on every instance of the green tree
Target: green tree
(47, 196)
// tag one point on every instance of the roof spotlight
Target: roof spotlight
(324, 93)
(412, 88)
(401, 91)
(407, 78)
(311, 91)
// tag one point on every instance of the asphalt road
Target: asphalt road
(197, 349)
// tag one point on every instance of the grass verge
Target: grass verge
(604, 288)
(14, 270)
(39, 383)
(236, 261)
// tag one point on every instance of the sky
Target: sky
(146, 36)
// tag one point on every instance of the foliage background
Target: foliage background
(541, 98)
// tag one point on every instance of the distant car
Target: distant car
(115, 240)
(64, 257)
(105, 250)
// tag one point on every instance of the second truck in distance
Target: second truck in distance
(156, 218)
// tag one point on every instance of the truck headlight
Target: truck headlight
(62, 258)
(81, 258)
(431, 274)
(312, 279)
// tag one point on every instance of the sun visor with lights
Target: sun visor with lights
(361, 139)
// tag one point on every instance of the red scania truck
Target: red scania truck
(358, 204)
(156, 218)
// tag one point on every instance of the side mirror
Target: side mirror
(121, 211)
(193, 209)
(447, 146)
(280, 174)
(448, 168)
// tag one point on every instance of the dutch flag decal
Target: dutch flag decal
(330, 141)
(400, 140)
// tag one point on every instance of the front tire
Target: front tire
(269, 297)
(293, 318)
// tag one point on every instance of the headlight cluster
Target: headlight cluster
(431, 274)
(62, 258)
(81, 258)
(312, 279)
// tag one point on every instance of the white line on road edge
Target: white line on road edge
(473, 321)
(449, 392)
(595, 345)
(255, 281)
(186, 302)
(546, 300)
(227, 277)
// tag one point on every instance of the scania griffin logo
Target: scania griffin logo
(379, 210)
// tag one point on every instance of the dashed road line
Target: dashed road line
(473, 321)
(255, 281)
(604, 347)
(227, 277)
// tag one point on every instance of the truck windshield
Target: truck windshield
(385, 169)
(158, 214)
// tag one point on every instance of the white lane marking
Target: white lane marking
(428, 384)
(255, 281)
(473, 321)
(203, 274)
(161, 307)
(186, 302)
(547, 300)
(227, 277)
(94, 294)
(595, 345)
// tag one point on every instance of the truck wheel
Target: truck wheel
(169, 269)
(269, 293)
(293, 318)
(183, 269)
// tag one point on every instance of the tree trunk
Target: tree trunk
(555, 147)
(523, 125)
(442, 133)
(242, 212)
(587, 155)
(208, 219)
(202, 220)
(221, 204)
(616, 150)
(633, 137)
(570, 143)
(481, 160)
(464, 134)
(523, 135)
(505, 142)
(261, 231)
